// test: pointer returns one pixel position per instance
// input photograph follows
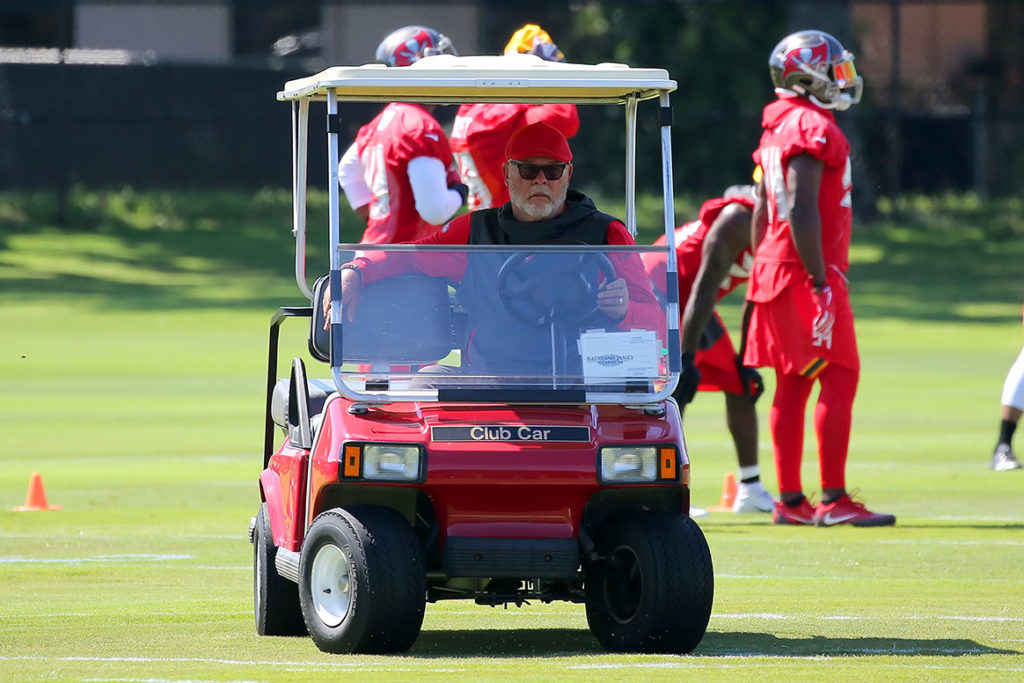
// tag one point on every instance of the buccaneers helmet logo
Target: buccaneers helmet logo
(810, 56)
(412, 49)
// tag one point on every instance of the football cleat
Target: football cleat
(1003, 459)
(845, 510)
(797, 514)
(752, 497)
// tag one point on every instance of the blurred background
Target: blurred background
(178, 94)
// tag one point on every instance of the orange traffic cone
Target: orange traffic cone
(35, 499)
(728, 494)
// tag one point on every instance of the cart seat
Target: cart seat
(405, 319)
(319, 390)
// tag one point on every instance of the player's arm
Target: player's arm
(351, 176)
(803, 180)
(759, 216)
(435, 201)
(727, 237)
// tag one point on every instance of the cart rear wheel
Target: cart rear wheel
(275, 598)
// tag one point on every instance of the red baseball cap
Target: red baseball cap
(538, 140)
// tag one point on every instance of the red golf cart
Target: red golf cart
(545, 461)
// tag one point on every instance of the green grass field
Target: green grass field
(132, 365)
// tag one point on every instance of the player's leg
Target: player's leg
(833, 415)
(786, 422)
(1003, 457)
(741, 418)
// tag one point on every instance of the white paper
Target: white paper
(609, 356)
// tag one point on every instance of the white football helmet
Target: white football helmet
(813, 64)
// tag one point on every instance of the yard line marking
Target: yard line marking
(129, 536)
(840, 617)
(98, 559)
(892, 541)
(390, 667)
(149, 613)
(714, 661)
(155, 680)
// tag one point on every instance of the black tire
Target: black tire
(275, 598)
(656, 596)
(372, 557)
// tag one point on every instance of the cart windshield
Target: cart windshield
(545, 323)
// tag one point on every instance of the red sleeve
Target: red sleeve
(644, 311)
(816, 135)
(420, 135)
(655, 265)
(561, 116)
(377, 265)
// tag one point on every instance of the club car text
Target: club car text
(510, 433)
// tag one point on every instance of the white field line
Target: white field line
(96, 559)
(713, 662)
(114, 537)
(890, 541)
(149, 613)
(836, 617)
(292, 665)
(156, 680)
(692, 662)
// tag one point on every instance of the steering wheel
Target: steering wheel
(537, 289)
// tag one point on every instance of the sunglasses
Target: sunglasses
(531, 171)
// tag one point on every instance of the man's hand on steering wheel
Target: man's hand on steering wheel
(613, 299)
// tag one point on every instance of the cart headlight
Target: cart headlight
(631, 464)
(382, 462)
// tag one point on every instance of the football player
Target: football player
(801, 322)
(713, 258)
(482, 130)
(399, 174)
(1003, 457)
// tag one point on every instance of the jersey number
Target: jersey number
(377, 180)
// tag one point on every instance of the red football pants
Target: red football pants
(832, 417)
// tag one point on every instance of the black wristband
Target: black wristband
(462, 189)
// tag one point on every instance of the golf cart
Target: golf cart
(546, 462)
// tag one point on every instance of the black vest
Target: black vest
(499, 342)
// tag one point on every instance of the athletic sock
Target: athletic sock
(749, 474)
(1006, 430)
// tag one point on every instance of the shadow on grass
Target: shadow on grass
(918, 274)
(121, 243)
(732, 644)
(947, 261)
(514, 643)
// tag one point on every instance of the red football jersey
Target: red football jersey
(794, 126)
(399, 134)
(479, 136)
(689, 247)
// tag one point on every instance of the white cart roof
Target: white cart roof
(508, 78)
